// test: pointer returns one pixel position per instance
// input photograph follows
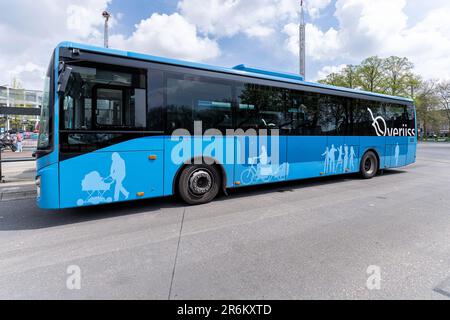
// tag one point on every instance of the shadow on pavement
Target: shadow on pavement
(290, 186)
(24, 215)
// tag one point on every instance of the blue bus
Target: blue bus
(120, 126)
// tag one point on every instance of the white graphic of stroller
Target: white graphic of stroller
(95, 186)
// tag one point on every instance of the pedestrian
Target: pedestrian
(19, 138)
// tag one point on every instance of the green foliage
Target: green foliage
(392, 75)
(371, 74)
(397, 72)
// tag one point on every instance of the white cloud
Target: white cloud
(315, 7)
(29, 72)
(254, 18)
(169, 36)
(326, 70)
(381, 28)
(259, 31)
(29, 30)
(319, 45)
(230, 17)
(84, 23)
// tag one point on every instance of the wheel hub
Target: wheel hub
(200, 182)
(369, 165)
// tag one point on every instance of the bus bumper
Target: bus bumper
(47, 184)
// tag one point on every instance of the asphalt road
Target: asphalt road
(313, 239)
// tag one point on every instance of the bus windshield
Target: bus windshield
(44, 142)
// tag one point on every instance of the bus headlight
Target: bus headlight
(38, 186)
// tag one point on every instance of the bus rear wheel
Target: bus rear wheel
(369, 165)
(199, 184)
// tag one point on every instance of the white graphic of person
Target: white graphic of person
(352, 158)
(264, 157)
(265, 168)
(340, 161)
(397, 154)
(332, 154)
(326, 154)
(345, 158)
(118, 174)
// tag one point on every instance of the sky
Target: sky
(259, 33)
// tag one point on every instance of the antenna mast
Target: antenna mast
(107, 16)
(302, 41)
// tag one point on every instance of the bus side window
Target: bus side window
(334, 115)
(411, 117)
(309, 114)
(264, 107)
(193, 98)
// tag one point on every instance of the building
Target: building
(19, 108)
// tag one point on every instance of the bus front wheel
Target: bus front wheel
(199, 184)
(369, 165)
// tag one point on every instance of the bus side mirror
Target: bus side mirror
(63, 79)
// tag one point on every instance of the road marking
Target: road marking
(176, 255)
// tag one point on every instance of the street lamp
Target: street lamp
(106, 16)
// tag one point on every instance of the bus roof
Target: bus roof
(242, 70)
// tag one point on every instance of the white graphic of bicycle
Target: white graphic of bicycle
(264, 173)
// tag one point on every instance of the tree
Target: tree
(392, 76)
(334, 79)
(347, 77)
(350, 76)
(443, 93)
(413, 83)
(427, 102)
(371, 74)
(397, 72)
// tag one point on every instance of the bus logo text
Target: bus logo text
(382, 130)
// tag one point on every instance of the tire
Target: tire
(369, 165)
(199, 184)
